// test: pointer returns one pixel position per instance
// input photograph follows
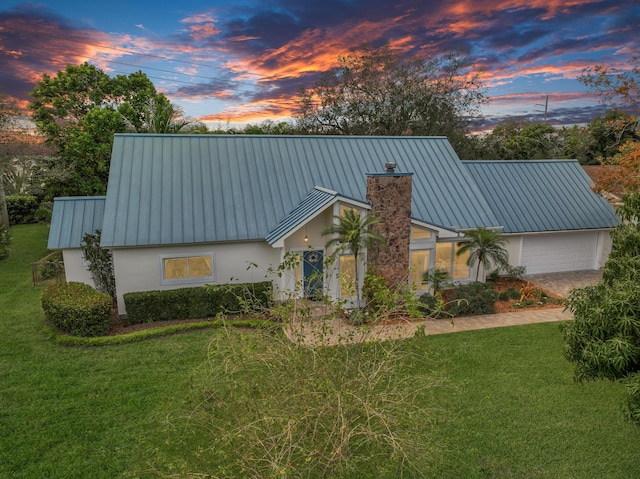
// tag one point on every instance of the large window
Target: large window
(420, 261)
(448, 260)
(195, 268)
(347, 276)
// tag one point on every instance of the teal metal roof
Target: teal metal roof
(181, 189)
(314, 203)
(72, 217)
(541, 195)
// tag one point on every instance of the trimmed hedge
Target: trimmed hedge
(22, 209)
(195, 303)
(77, 309)
(471, 299)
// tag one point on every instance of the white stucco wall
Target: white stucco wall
(74, 268)
(139, 269)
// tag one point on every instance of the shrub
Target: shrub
(516, 272)
(44, 212)
(77, 309)
(430, 305)
(384, 302)
(100, 263)
(271, 408)
(22, 209)
(471, 299)
(195, 303)
(511, 293)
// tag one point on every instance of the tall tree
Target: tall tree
(485, 247)
(376, 92)
(354, 234)
(78, 110)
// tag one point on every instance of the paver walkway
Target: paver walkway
(333, 331)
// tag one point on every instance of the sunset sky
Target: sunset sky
(241, 61)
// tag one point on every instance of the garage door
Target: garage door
(552, 253)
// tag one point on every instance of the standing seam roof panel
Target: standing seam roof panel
(213, 177)
(548, 195)
(72, 218)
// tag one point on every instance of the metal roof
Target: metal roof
(72, 217)
(314, 203)
(181, 189)
(541, 195)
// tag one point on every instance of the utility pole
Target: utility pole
(546, 107)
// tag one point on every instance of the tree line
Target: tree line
(371, 91)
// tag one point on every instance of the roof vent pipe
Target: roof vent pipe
(390, 167)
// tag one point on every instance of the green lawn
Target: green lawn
(509, 407)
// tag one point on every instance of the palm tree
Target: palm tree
(485, 247)
(354, 233)
(162, 116)
(165, 117)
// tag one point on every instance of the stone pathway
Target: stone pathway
(325, 332)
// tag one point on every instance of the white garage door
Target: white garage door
(552, 253)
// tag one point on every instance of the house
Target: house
(183, 210)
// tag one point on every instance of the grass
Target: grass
(511, 408)
(516, 412)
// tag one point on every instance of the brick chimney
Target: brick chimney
(389, 195)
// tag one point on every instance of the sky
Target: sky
(233, 62)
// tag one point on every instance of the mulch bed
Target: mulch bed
(504, 284)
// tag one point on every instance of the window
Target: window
(443, 256)
(197, 268)
(460, 266)
(347, 276)
(420, 261)
(449, 261)
(344, 208)
(420, 233)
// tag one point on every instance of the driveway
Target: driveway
(562, 283)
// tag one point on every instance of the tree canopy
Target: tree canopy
(78, 110)
(614, 83)
(376, 92)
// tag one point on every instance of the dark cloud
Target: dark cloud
(34, 41)
(267, 52)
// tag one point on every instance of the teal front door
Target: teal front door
(313, 270)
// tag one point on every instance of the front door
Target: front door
(313, 270)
